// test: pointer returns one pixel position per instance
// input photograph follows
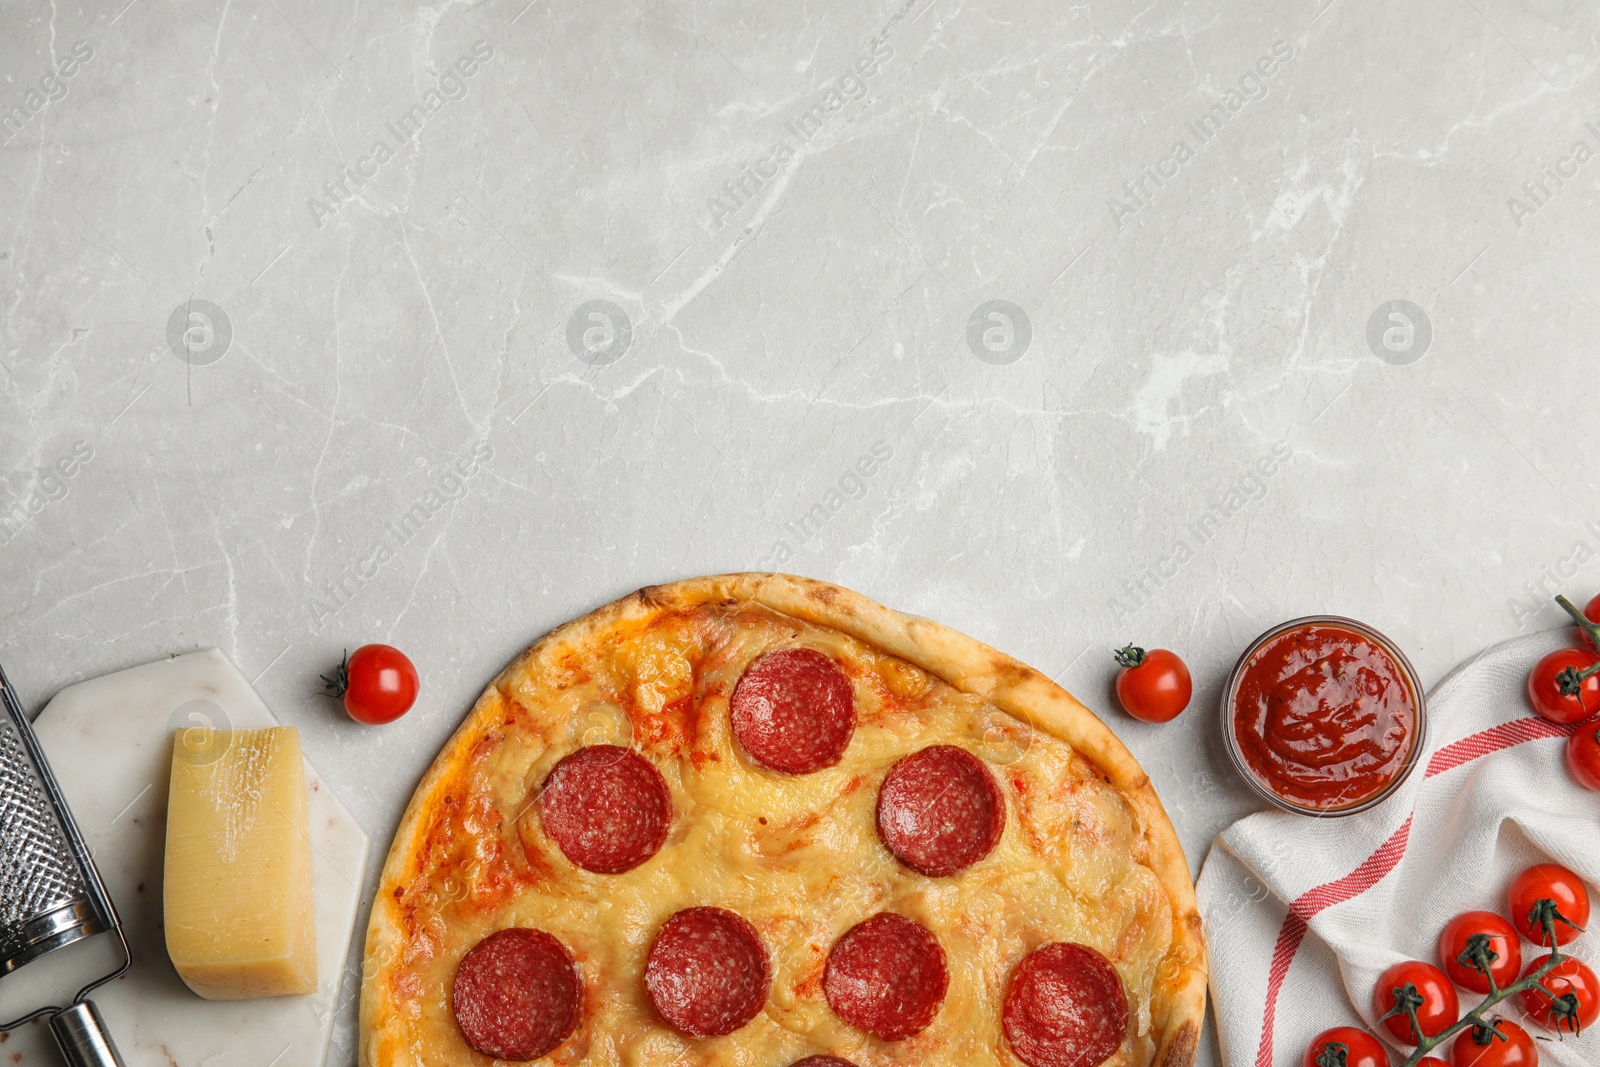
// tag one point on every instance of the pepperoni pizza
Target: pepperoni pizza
(760, 820)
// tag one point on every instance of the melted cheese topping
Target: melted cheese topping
(799, 857)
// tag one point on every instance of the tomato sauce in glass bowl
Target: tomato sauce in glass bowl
(1324, 716)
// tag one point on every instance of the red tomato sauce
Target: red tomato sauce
(1324, 716)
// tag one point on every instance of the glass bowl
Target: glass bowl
(1419, 734)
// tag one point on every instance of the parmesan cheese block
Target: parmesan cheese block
(237, 894)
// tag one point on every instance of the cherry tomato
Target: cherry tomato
(1591, 610)
(378, 684)
(1360, 1049)
(1431, 1061)
(1502, 940)
(1583, 755)
(1153, 686)
(1437, 1012)
(1570, 978)
(1477, 1047)
(1548, 881)
(1546, 679)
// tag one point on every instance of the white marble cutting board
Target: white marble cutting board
(109, 741)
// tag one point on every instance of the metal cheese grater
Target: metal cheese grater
(50, 893)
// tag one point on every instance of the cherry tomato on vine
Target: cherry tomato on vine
(1431, 1061)
(1553, 882)
(1153, 686)
(1577, 997)
(378, 684)
(1437, 1006)
(1558, 689)
(1499, 937)
(1591, 610)
(1360, 1049)
(1583, 755)
(1477, 1047)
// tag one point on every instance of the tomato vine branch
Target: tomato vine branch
(1590, 629)
(1547, 915)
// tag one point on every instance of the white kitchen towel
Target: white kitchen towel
(1302, 915)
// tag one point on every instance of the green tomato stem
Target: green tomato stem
(335, 687)
(1130, 657)
(1477, 1015)
(1591, 630)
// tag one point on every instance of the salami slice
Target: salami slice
(1065, 1008)
(886, 976)
(794, 711)
(822, 1061)
(517, 994)
(940, 811)
(607, 808)
(708, 972)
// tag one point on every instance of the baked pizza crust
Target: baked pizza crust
(1178, 1000)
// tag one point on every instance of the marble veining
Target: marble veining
(664, 276)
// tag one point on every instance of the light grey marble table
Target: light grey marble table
(1162, 323)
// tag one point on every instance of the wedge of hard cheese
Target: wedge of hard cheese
(237, 896)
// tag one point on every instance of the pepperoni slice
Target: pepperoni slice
(794, 711)
(607, 808)
(822, 1061)
(1065, 1008)
(517, 994)
(886, 976)
(940, 811)
(708, 972)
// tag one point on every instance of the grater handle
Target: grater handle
(81, 1035)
